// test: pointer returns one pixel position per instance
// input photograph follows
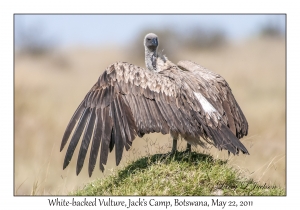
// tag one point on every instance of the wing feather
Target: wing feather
(76, 137)
(71, 124)
(148, 117)
(119, 134)
(86, 141)
(106, 137)
(96, 141)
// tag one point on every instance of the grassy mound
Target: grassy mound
(179, 174)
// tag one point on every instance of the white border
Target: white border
(8, 8)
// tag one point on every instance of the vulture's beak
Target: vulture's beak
(155, 42)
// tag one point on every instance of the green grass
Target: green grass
(179, 174)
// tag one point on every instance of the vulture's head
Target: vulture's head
(151, 41)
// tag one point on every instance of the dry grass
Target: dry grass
(48, 90)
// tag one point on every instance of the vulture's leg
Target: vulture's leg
(174, 148)
(174, 135)
(188, 147)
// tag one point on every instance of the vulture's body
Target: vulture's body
(129, 101)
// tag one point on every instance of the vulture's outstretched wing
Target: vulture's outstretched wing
(127, 101)
(218, 92)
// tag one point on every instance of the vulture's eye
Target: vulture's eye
(148, 39)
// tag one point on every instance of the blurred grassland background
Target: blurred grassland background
(51, 79)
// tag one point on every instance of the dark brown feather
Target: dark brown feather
(229, 115)
(96, 141)
(120, 119)
(117, 133)
(71, 124)
(76, 137)
(86, 141)
(106, 137)
(112, 141)
(128, 124)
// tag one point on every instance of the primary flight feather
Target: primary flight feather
(129, 101)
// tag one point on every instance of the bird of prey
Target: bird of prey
(184, 100)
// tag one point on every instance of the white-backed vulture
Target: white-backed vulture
(129, 101)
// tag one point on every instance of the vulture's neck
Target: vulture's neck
(151, 59)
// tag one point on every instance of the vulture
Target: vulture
(127, 101)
